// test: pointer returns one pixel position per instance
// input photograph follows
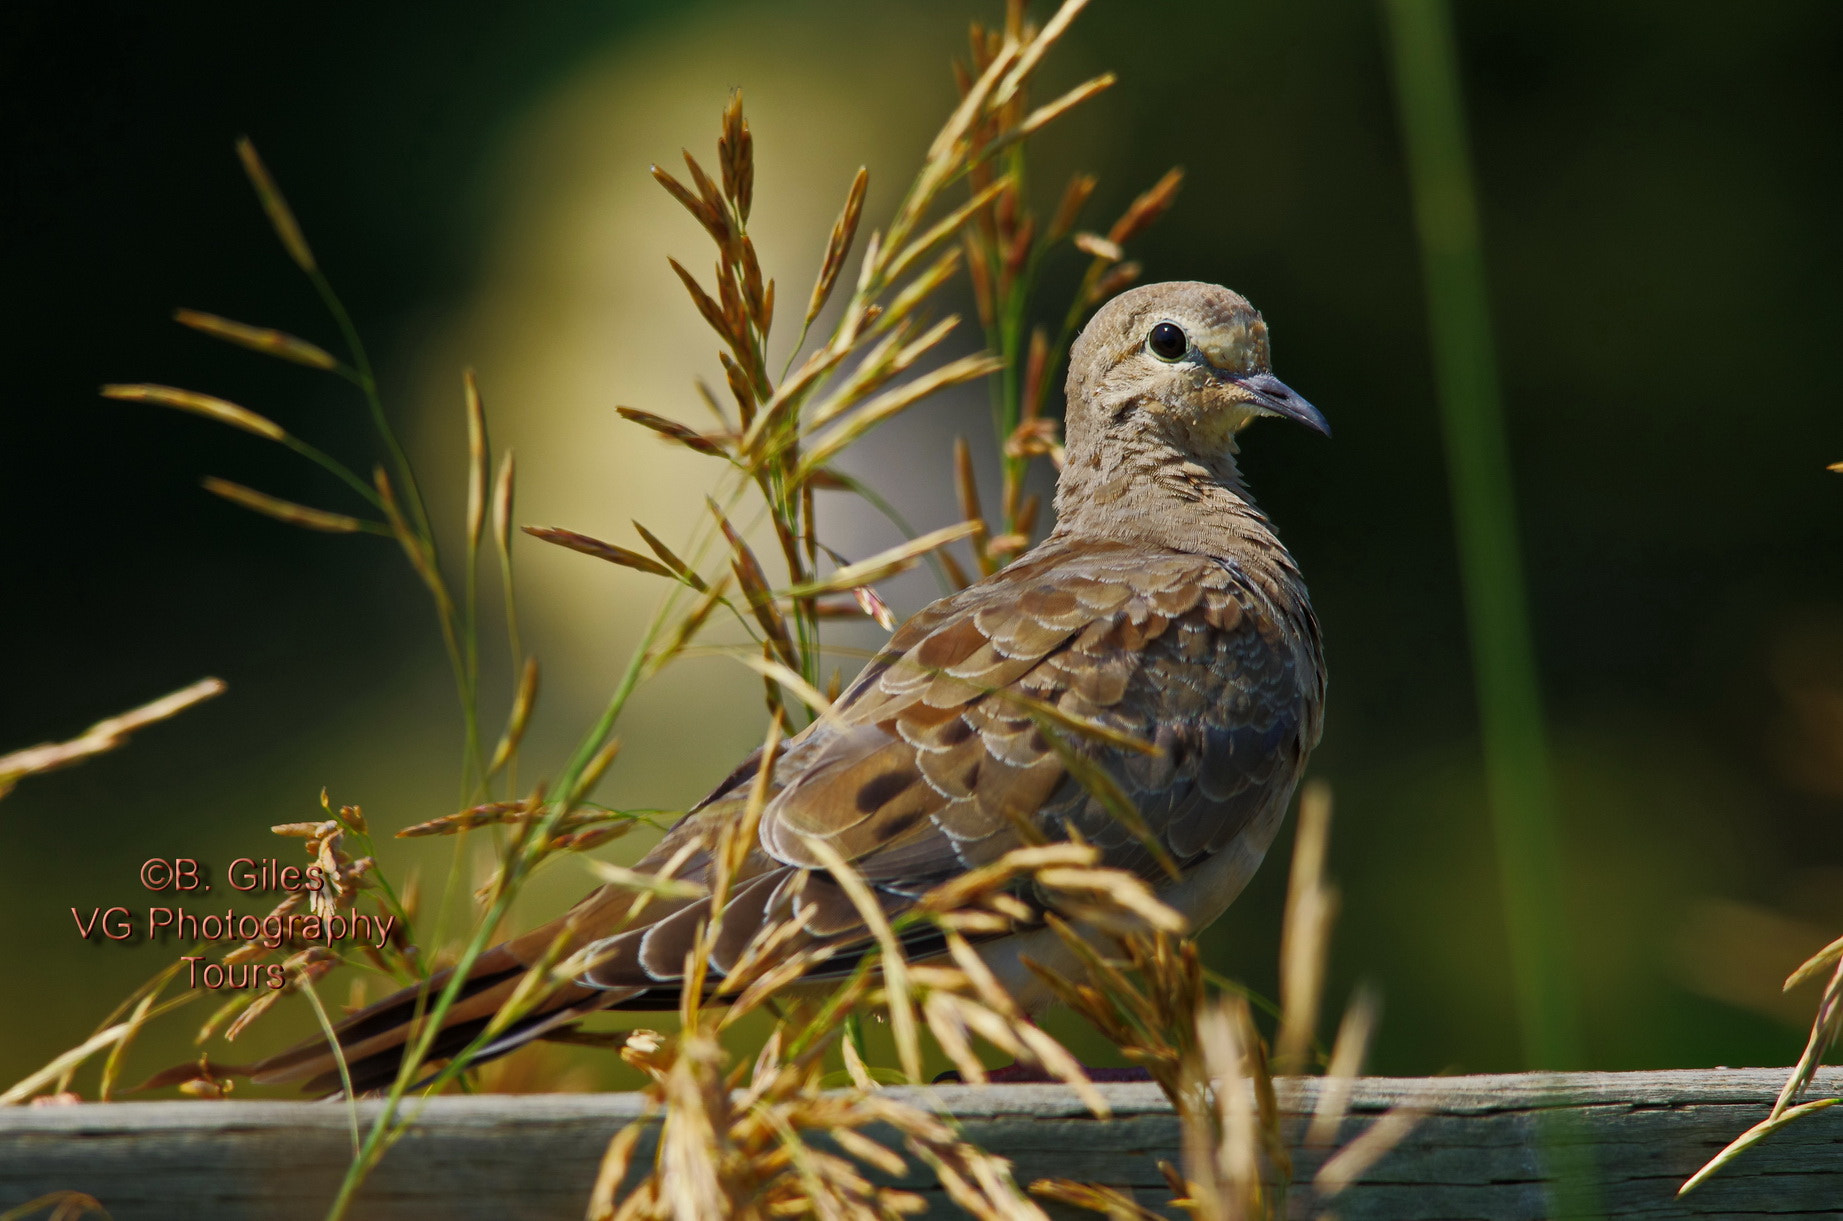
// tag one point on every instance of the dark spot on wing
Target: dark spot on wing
(876, 793)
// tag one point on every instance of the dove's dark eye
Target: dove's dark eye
(1167, 341)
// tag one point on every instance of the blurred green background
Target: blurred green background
(1658, 186)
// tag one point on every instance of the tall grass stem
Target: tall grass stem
(1519, 783)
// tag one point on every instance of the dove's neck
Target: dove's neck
(1140, 488)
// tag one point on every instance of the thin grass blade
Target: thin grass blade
(588, 545)
(884, 564)
(258, 339)
(281, 216)
(287, 511)
(209, 406)
(893, 402)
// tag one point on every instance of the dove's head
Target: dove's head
(1182, 363)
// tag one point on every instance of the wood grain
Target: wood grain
(1475, 1156)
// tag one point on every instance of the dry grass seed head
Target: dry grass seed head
(207, 405)
(281, 216)
(502, 504)
(838, 244)
(105, 735)
(1147, 208)
(588, 545)
(1311, 907)
(523, 700)
(257, 339)
(1347, 1057)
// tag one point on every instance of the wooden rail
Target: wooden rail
(1476, 1155)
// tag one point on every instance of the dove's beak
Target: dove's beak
(1274, 397)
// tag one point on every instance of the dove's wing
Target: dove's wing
(940, 747)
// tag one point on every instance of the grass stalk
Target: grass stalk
(385, 1129)
(460, 638)
(1519, 782)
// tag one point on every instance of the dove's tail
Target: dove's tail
(373, 1041)
(637, 965)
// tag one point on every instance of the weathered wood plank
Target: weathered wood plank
(1475, 1156)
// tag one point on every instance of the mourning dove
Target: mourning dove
(1162, 606)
